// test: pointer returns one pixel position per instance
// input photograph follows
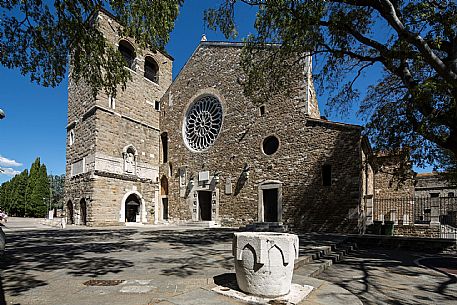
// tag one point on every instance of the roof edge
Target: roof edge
(326, 122)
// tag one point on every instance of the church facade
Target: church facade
(198, 150)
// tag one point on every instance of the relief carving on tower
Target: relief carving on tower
(129, 153)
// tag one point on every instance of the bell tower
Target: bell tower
(112, 166)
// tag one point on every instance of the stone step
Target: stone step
(265, 227)
(202, 224)
(314, 260)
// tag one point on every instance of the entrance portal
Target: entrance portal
(71, 214)
(270, 205)
(165, 208)
(164, 197)
(132, 208)
(204, 205)
(83, 211)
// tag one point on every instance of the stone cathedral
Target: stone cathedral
(196, 149)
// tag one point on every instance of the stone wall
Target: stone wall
(105, 195)
(237, 166)
(433, 183)
(418, 230)
(394, 177)
(106, 129)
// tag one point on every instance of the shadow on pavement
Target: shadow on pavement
(99, 252)
(379, 276)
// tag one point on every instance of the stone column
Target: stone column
(435, 211)
(369, 209)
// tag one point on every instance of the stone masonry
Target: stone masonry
(432, 183)
(237, 171)
(113, 144)
(199, 150)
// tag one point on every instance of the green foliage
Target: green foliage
(32, 198)
(18, 198)
(37, 37)
(28, 194)
(412, 105)
(57, 184)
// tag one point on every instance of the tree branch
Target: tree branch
(352, 54)
(388, 12)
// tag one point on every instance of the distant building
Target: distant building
(433, 185)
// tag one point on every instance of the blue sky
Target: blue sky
(36, 116)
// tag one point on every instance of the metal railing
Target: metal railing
(416, 210)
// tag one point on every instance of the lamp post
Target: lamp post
(49, 206)
(2, 116)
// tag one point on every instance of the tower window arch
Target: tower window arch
(164, 140)
(128, 52)
(151, 69)
(71, 137)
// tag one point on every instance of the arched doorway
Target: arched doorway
(164, 197)
(132, 208)
(70, 213)
(83, 211)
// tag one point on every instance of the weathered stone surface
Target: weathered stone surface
(264, 262)
(419, 230)
(118, 151)
(392, 180)
(237, 157)
(429, 183)
(95, 169)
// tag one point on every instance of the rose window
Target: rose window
(202, 123)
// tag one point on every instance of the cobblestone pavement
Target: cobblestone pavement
(43, 265)
(176, 265)
(379, 276)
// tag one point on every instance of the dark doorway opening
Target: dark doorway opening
(132, 208)
(71, 214)
(270, 205)
(165, 208)
(164, 194)
(204, 205)
(83, 211)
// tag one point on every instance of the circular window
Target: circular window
(270, 145)
(202, 123)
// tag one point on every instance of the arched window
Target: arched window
(71, 137)
(164, 140)
(128, 52)
(151, 69)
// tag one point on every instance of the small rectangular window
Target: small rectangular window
(157, 105)
(450, 194)
(434, 195)
(111, 102)
(326, 175)
(262, 110)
